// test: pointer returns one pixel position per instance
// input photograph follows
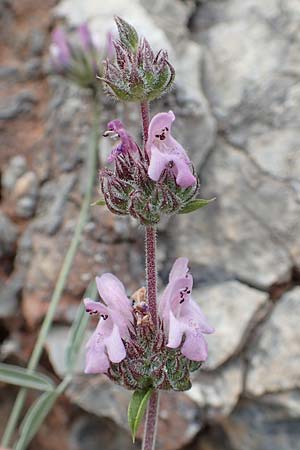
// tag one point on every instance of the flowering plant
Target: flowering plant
(140, 343)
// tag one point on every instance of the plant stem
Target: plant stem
(62, 277)
(151, 277)
(151, 272)
(151, 422)
(145, 119)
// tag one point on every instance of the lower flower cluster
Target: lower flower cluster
(149, 363)
(136, 353)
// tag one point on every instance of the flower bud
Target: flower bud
(137, 74)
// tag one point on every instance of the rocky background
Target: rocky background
(237, 103)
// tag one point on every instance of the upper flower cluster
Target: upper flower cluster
(77, 57)
(137, 74)
(149, 182)
(127, 347)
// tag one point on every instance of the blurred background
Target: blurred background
(237, 106)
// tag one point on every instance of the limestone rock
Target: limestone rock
(274, 362)
(242, 231)
(259, 425)
(231, 308)
(218, 392)
(8, 236)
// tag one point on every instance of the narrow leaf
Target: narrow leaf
(136, 409)
(23, 377)
(193, 205)
(77, 330)
(34, 418)
(37, 413)
(99, 202)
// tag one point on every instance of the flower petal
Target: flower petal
(184, 176)
(194, 347)
(158, 162)
(113, 292)
(192, 310)
(96, 358)
(179, 269)
(175, 332)
(115, 347)
(94, 307)
(157, 123)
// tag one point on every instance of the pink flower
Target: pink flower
(106, 342)
(115, 128)
(166, 153)
(59, 49)
(85, 37)
(181, 316)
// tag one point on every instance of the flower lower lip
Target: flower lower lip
(111, 134)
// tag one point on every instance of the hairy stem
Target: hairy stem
(151, 277)
(145, 119)
(151, 272)
(151, 422)
(92, 163)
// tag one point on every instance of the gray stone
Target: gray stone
(9, 73)
(57, 344)
(17, 105)
(218, 392)
(37, 42)
(25, 192)
(8, 236)
(260, 425)
(54, 195)
(243, 229)
(9, 296)
(87, 432)
(16, 167)
(232, 309)
(274, 361)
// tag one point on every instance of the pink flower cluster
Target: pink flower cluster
(164, 152)
(182, 320)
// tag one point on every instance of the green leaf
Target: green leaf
(78, 328)
(23, 377)
(136, 409)
(99, 202)
(128, 34)
(34, 418)
(193, 205)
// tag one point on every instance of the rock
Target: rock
(178, 424)
(25, 207)
(218, 392)
(8, 236)
(9, 296)
(232, 309)
(259, 425)
(88, 431)
(25, 193)
(274, 361)
(17, 105)
(33, 69)
(235, 230)
(16, 167)
(9, 74)
(131, 11)
(54, 195)
(57, 344)
(37, 41)
(68, 124)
